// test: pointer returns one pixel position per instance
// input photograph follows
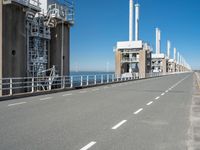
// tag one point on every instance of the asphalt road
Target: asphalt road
(150, 114)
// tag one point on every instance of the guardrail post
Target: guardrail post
(50, 87)
(107, 78)
(81, 80)
(32, 85)
(71, 80)
(95, 79)
(63, 82)
(11, 92)
(87, 80)
(101, 79)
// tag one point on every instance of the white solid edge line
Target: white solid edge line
(67, 94)
(46, 98)
(14, 104)
(119, 124)
(149, 103)
(157, 97)
(138, 111)
(88, 145)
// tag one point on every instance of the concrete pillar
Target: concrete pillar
(60, 48)
(131, 20)
(164, 66)
(173, 67)
(158, 41)
(137, 6)
(14, 41)
(168, 49)
(118, 63)
(143, 63)
(1, 41)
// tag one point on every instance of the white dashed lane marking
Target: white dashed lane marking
(95, 90)
(119, 124)
(14, 104)
(138, 111)
(162, 94)
(149, 103)
(67, 94)
(83, 92)
(88, 145)
(46, 98)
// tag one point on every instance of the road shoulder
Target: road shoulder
(194, 130)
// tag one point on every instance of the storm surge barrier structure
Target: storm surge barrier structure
(29, 85)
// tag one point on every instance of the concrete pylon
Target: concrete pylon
(1, 48)
(131, 4)
(168, 48)
(158, 41)
(137, 9)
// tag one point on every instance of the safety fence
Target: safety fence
(12, 86)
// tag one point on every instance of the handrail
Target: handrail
(12, 86)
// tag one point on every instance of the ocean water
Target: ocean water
(85, 73)
(91, 77)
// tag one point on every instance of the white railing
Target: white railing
(12, 86)
(133, 59)
(29, 3)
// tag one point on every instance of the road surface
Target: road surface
(151, 114)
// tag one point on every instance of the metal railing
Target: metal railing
(29, 3)
(12, 86)
(133, 59)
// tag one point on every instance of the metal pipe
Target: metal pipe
(95, 79)
(71, 86)
(81, 81)
(87, 80)
(11, 88)
(33, 85)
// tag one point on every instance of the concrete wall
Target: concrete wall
(56, 48)
(118, 63)
(174, 67)
(143, 63)
(164, 66)
(1, 11)
(14, 42)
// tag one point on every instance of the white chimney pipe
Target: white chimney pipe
(168, 49)
(180, 61)
(137, 11)
(131, 20)
(174, 54)
(158, 40)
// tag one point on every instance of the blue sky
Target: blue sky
(100, 24)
